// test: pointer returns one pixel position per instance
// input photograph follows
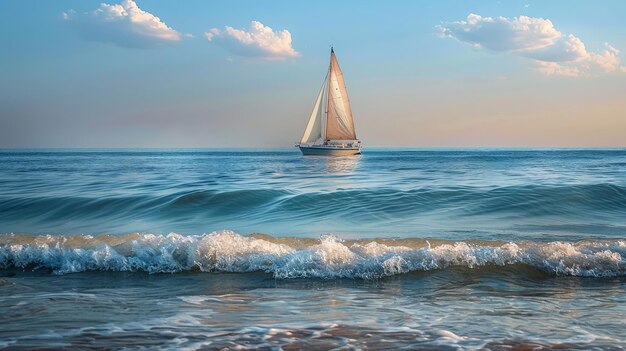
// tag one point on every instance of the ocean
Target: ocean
(430, 249)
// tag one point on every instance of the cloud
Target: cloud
(534, 38)
(556, 69)
(124, 25)
(259, 41)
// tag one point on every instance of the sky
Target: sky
(193, 74)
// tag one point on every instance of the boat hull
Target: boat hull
(329, 151)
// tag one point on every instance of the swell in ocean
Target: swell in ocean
(586, 209)
(288, 257)
(538, 195)
(520, 199)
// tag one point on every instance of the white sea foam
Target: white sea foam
(330, 257)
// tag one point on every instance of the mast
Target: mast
(324, 110)
(330, 66)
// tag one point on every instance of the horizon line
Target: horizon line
(365, 148)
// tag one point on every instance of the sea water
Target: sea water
(213, 249)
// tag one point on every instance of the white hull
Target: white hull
(325, 150)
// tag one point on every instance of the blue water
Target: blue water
(452, 194)
(236, 249)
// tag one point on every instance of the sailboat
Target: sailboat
(330, 130)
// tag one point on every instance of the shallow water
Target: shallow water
(447, 309)
(430, 249)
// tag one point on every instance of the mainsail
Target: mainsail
(331, 118)
(339, 117)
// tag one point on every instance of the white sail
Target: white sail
(315, 131)
(330, 129)
(339, 116)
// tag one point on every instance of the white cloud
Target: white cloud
(535, 38)
(556, 69)
(258, 41)
(501, 34)
(124, 25)
(608, 59)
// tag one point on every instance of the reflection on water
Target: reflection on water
(342, 164)
(322, 166)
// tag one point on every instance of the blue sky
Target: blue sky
(513, 73)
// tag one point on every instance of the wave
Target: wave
(591, 203)
(327, 257)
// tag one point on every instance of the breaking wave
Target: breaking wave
(327, 257)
